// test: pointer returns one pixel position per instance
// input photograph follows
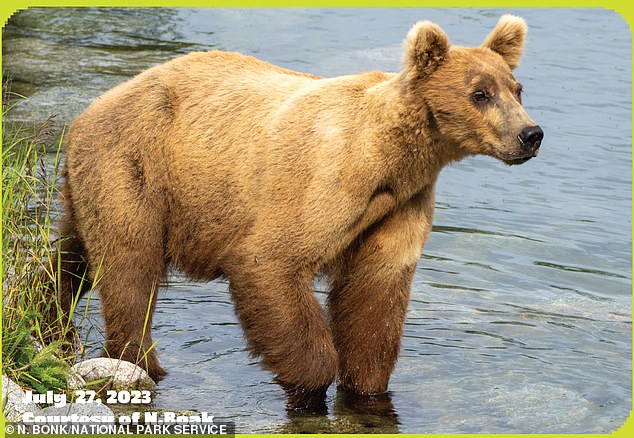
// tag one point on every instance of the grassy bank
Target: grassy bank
(30, 165)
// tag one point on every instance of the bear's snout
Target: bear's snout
(531, 139)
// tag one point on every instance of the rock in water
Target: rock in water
(118, 374)
(81, 409)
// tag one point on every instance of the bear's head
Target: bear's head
(469, 95)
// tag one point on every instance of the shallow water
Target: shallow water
(520, 319)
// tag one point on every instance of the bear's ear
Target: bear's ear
(426, 47)
(507, 39)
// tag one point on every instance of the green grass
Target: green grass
(30, 164)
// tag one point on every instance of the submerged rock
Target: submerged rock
(87, 409)
(114, 374)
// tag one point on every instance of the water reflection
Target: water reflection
(352, 413)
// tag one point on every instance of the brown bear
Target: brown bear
(220, 164)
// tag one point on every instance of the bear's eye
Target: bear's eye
(481, 96)
(518, 92)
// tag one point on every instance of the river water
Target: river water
(521, 316)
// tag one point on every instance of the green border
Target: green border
(9, 7)
(627, 11)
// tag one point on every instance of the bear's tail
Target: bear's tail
(71, 269)
(66, 281)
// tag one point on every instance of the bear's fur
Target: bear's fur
(220, 164)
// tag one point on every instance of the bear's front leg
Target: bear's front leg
(285, 325)
(370, 294)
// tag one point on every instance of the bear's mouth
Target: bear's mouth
(512, 159)
(520, 160)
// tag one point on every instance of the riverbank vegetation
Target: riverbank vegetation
(30, 166)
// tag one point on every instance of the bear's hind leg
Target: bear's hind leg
(285, 325)
(128, 291)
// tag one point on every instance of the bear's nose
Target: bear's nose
(531, 138)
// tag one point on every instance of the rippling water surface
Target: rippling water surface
(520, 318)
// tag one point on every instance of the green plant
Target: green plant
(22, 362)
(30, 164)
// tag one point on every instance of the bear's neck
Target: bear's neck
(406, 139)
